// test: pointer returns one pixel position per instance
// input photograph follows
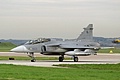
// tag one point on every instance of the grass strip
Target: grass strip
(28, 58)
(75, 72)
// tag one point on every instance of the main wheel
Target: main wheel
(75, 59)
(60, 59)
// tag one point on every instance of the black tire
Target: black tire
(33, 60)
(60, 59)
(75, 59)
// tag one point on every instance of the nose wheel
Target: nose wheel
(31, 55)
(33, 60)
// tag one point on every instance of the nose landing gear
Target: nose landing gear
(31, 55)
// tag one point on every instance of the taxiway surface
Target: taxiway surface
(93, 59)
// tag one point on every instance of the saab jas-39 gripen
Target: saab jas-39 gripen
(84, 45)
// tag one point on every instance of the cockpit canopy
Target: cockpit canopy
(39, 40)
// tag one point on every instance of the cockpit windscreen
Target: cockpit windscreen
(39, 40)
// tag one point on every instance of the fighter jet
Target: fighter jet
(84, 45)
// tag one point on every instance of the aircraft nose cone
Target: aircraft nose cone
(19, 49)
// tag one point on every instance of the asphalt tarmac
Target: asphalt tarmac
(93, 59)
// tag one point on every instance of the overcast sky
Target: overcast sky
(28, 19)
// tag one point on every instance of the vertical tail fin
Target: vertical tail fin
(87, 34)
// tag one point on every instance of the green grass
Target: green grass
(28, 58)
(115, 50)
(92, 66)
(6, 46)
(75, 72)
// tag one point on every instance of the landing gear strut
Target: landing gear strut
(31, 55)
(61, 58)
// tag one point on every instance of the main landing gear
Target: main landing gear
(61, 58)
(31, 55)
(75, 59)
